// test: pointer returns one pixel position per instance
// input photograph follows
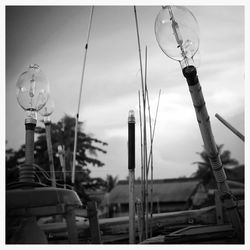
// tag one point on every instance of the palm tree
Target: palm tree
(204, 170)
(111, 182)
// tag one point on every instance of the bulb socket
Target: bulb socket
(131, 116)
(190, 73)
(30, 123)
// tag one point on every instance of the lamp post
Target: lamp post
(131, 169)
(46, 111)
(27, 200)
(176, 31)
(32, 91)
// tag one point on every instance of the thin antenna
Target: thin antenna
(140, 215)
(146, 96)
(79, 101)
(144, 125)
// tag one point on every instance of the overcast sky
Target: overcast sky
(54, 38)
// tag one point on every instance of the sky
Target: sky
(54, 37)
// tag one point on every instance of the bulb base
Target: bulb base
(30, 120)
(190, 73)
(187, 62)
(47, 120)
(131, 116)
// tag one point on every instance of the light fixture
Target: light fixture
(46, 111)
(176, 31)
(32, 89)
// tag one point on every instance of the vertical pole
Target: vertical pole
(93, 222)
(62, 162)
(50, 152)
(144, 124)
(71, 224)
(139, 218)
(131, 168)
(218, 208)
(27, 172)
(203, 119)
(145, 142)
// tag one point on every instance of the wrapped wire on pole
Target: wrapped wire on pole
(79, 100)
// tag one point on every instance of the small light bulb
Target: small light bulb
(131, 116)
(47, 110)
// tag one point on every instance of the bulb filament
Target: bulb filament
(32, 87)
(177, 34)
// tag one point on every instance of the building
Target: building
(168, 195)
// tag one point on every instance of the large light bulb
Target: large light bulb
(32, 90)
(177, 33)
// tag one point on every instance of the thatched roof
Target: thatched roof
(166, 190)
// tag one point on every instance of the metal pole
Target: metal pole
(27, 171)
(229, 126)
(190, 74)
(144, 125)
(139, 218)
(79, 101)
(131, 168)
(93, 222)
(50, 152)
(62, 162)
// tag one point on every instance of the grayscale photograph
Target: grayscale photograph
(124, 124)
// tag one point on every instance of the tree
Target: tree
(204, 170)
(111, 182)
(62, 133)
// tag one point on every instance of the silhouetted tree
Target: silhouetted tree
(62, 133)
(111, 182)
(204, 170)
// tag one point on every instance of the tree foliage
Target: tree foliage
(204, 170)
(111, 182)
(62, 133)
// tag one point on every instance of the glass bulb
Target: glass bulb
(131, 116)
(177, 33)
(48, 108)
(32, 90)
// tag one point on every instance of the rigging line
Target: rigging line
(79, 101)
